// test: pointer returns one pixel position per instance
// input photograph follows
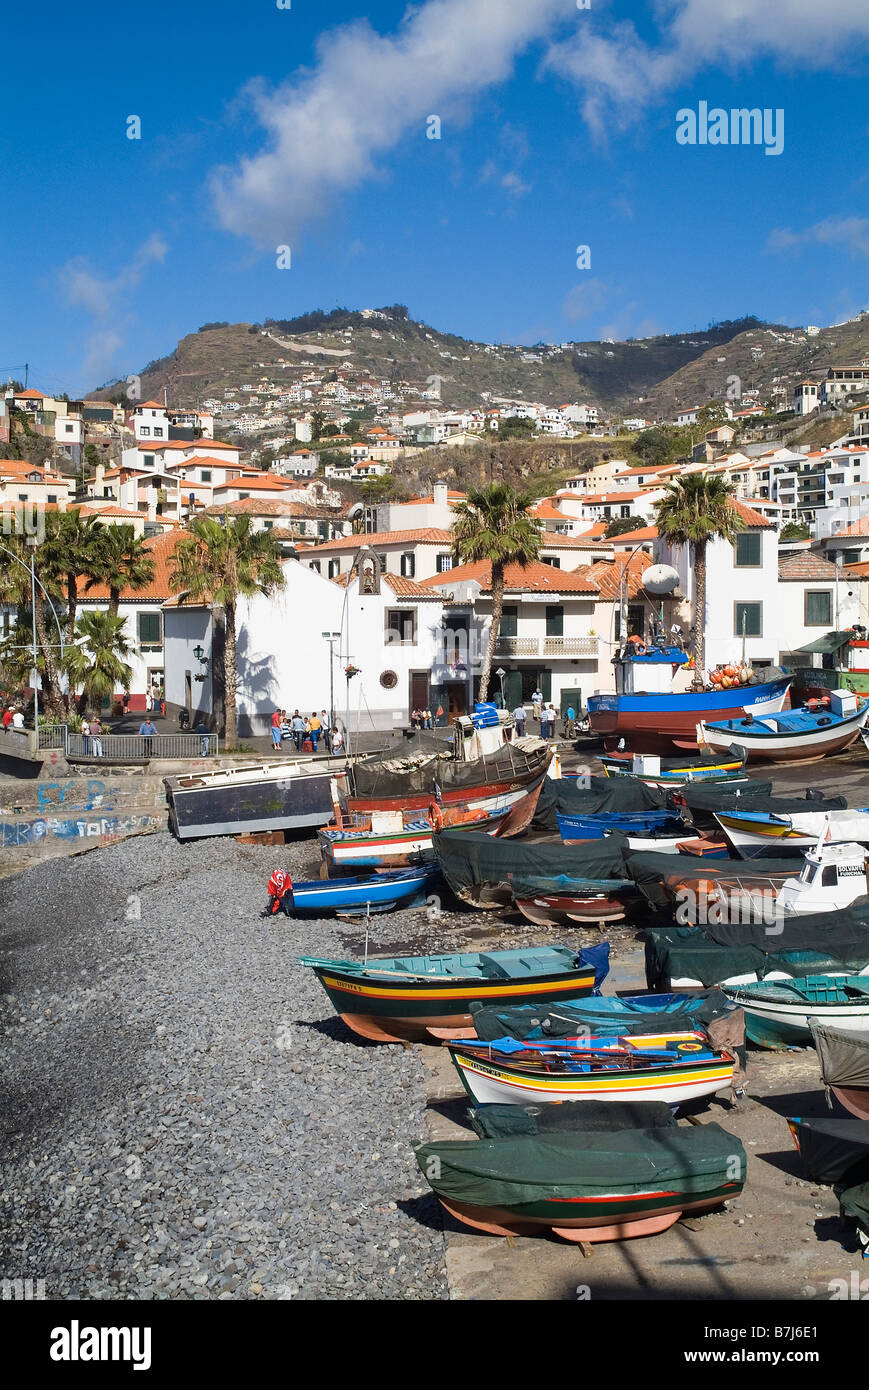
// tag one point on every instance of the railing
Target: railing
(53, 735)
(123, 747)
(517, 646)
(551, 646)
(570, 646)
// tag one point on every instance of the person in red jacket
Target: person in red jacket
(276, 728)
(7, 719)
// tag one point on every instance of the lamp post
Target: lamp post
(501, 673)
(331, 638)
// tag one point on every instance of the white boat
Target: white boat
(755, 833)
(831, 878)
(797, 735)
(780, 1013)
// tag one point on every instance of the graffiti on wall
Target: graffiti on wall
(32, 832)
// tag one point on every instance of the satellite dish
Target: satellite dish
(660, 579)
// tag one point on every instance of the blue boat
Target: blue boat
(796, 735)
(574, 825)
(652, 718)
(605, 1016)
(380, 892)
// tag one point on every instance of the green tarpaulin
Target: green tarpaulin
(580, 1116)
(830, 642)
(531, 1168)
(470, 858)
(593, 796)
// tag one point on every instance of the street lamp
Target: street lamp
(501, 673)
(331, 638)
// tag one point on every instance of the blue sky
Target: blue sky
(307, 127)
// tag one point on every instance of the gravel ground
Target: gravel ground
(185, 1117)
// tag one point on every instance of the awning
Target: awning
(830, 642)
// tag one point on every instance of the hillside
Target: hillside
(388, 345)
(762, 357)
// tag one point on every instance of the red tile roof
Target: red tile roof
(642, 533)
(162, 551)
(751, 519)
(805, 564)
(857, 528)
(534, 577)
(606, 575)
(429, 535)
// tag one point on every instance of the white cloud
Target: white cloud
(585, 299)
(619, 73)
(850, 232)
(102, 297)
(327, 127)
(515, 185)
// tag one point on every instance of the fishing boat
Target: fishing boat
(391, 999)
(605, 1069)
(398, 838)
(753, 832)
(605, 1016)
(832, 877)
(655, 771)
(483, 773)
(837, 1151)
(574, 826)
(844, 1057)
(661, 839)
(796, 735)
(777, 1013)
(555, 901)
(379, 893)
(584, 1185)
(701, 804)
(292, 794)
(651, 717)
(486, 872)
(703, 889)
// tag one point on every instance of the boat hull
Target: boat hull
(777, 1025)
(656, 722)
(380, 893)
(590, 1220)
(236, 801)
(557, 909)
(404, 1009)
(491, 1082)
(759, 746)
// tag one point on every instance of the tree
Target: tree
(72, 548)
(493, 526)
(794, 531)
(219, 562)
(16, 586)
(696, 509)
(620, 524)
(515, 427)
(122, 561)
(317, 422)
(96, 659)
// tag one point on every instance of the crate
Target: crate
(843, 703)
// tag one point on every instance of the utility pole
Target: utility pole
(31, 541)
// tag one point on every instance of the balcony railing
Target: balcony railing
(546, 646)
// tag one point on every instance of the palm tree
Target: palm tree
(696, 509)
(219, 562)
(493, 526)
(72, 543)
(15, 586)
(96, 659)
(122, 562)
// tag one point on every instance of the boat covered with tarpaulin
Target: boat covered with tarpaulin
(605, 1015)
(704, 803)
(730, 953)
(481, 868)
(587, 1185)
(592, 796)
(836, 1151)
(502, 1121)
(401, 997)
(666, 880)
(844, 1058)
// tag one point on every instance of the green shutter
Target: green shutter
(546, 685)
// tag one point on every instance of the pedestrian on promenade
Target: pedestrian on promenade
(148, 732)
(298, 725)
(7, 718)
(125, 702)
(276, 729)
(17, 719)
(314, 727)
(536, 703)
(85, 735)
(337, 740)
(202, 730)
(149, 700)
(520, 716)
(96, 730)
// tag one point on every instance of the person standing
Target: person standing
(148, 732)
(337, 740)
(298, 730)
(202, 730)
(276, 729)
(7, 719)
(550, 716)
(125, 702)
(96, 730)
(325, 726)
(85, 735)
(314, 727)
(520, 716)
(536, 703)
(570, 722)
(149, 700)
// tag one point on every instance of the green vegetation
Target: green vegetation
(695, 510)
(218, 563)
(621, 524)
(493, 526)
(795, 531)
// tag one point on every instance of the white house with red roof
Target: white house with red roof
(150, 421)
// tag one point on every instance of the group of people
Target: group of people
(300, 728)
(422, 719)
(155, 700)
(13, 718)
(546, 715)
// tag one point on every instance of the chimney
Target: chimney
(99, 480)
(441, 494)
